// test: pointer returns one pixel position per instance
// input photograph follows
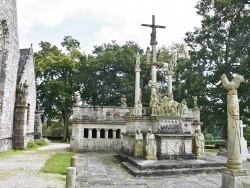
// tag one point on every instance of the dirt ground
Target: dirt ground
(23, 170)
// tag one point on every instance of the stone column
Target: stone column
(114, 133)
(98, 133)
(153, 68)
(170, 73)
(106, 133)
(243, 143)
(90, 133)
(137, 85)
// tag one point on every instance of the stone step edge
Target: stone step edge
(162, 166)
(136, 172)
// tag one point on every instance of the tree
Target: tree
(221, 45)
(110, 74)
(55, 74)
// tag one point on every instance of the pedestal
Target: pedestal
(233, 178)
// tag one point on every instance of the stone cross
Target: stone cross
(241, 129)
(153, 34)
(151, 58)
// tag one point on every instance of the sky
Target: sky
(94, 22)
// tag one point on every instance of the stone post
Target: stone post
(90, 133)
(114, 133)
(106, 133)
(98, 133)
(170, 82)
(71, 177)
(74, 161)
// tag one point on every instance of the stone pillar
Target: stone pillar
(38, 125)
(20, 125)
(137, 85)
(98, 133)
(170, 73)
(106, 133)
(71, 177)
(90, 133)
(114, 133)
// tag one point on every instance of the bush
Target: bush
(215, 142)
(31, 145)
(209, 136)
(42, 142)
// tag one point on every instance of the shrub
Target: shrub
(42, 142)
(31, 145)
(209, 136)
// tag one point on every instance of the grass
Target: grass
(9, 153)
(211, 150)
(58, 163)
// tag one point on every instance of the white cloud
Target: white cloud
(119, 20)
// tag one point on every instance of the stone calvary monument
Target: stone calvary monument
(164, 130)
(19, 119)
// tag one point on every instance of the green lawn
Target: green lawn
(9, 153)
(58, 163)
(212, 150)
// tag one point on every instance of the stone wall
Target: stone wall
(98, 128)
(8, 74)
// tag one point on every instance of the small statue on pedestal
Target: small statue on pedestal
(138, 150)
(151, 148)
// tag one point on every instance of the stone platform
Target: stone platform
(142, 167)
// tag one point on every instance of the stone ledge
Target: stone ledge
(232, 172)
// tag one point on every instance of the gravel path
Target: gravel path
(23, 170)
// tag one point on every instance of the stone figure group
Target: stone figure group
(167, 105)
(151, 149)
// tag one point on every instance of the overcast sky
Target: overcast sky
(94, 22)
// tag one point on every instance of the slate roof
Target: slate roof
(24, 53)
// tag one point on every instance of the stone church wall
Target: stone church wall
(8, 73)
(28, 74)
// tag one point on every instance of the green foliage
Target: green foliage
(209, 136)
(220, 46)
(31, 145)
(55, 75)
(58, 163)
(42, 142)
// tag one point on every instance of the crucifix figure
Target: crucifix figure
(153, 34)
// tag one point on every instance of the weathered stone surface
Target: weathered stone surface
(8, 74)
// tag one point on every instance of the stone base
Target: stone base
(175, 156)
(200, 157)
(233, 178)
(151, 158)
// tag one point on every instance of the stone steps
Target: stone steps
(168, 171)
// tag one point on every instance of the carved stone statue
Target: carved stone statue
(138, 150)
(138, 109)
(233, 118)
(154, 104)
(199, 144)
(183, 108)
(22, 92)
(77, 97)
(123, 101)
(151, 148)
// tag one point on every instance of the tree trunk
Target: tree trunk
(66, 124)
